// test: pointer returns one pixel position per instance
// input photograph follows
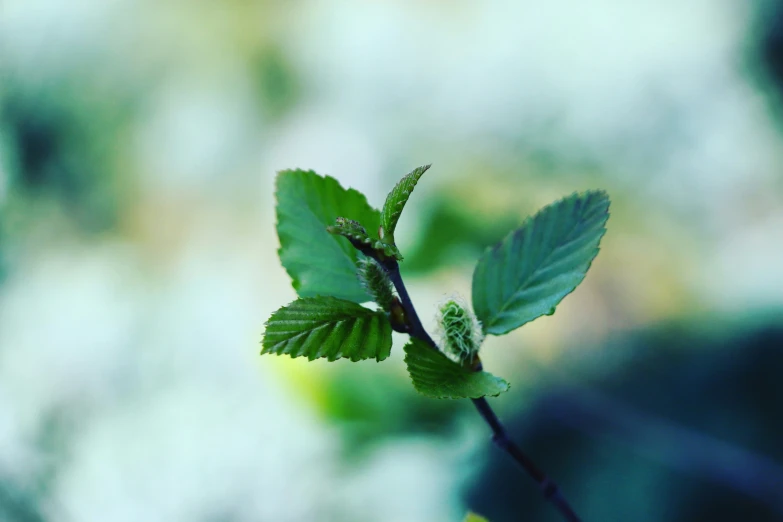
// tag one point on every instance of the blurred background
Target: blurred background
(138, 148)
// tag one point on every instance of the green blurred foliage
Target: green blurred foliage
(19, 506)
(60, 146)
(375, 404)
(276, 81)
(449, 234)
(3, 261)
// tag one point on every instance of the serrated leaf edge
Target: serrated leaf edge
(296, 282)
(528, 220)
(366, 313)
(391, 212)
(449, 395)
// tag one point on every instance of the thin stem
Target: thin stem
(416, 328)
(549, 489)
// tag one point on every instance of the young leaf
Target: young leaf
(350, 229)
(459, 330)
(328, 327)
(318, 262)
(472, 517)
(376, 281)
(360, 239)
(529, 272)
(395, 202)
(435, 375)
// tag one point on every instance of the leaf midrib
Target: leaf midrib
(319, 325)
(532, 275)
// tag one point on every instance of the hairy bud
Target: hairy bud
(460, 330)
(376, 281)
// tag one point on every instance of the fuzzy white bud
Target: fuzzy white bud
(459, 330)
(376, 281)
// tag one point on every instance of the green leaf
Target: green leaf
(318, 262)
(472, 517)
(350, 229)
(395, 202)
(435, 375)
(529, 272)
(377, 282)
(358, 236)
(327, 327)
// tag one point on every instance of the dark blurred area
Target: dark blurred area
(58, 156)
(687, 430)
(138, 148)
